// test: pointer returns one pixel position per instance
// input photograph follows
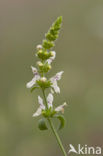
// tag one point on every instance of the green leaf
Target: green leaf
(62, 121)
(42, 124)
(33, 89)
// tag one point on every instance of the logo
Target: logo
(85, 149)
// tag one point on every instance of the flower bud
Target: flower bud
(52, 53)
(43, 54)
(39, 47)
(44, 83)
(43, 79)
(39, 53)
(49, 67)
(47, 44)
(40, 64)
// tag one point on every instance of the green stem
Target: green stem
(53, 129)
(45, 98)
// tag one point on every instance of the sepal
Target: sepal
(48, 112)
(44, 83)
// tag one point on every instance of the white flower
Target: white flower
(35, 78)
(42, 106)
(54, 80)
(50, 100)
(40, 101)
(60, 108)
(50, 105)
(34, 70)
(49, 61)
(38, 112)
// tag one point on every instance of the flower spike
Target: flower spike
(46, 55)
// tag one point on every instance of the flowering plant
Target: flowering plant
(46, 108)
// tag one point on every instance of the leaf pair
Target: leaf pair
(43, 126)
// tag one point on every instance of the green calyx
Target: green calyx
(48, 112)
(44, 67)
(43, 55)
(47, 44)
(44, 83)
(51, 37)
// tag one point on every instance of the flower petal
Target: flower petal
(52, 91)
(60, 108)
(31, 83)
(55, 86)
(50, 100)
(38, 112)
(40, 101)
(54, 80)
(57, 76)
(36, 77)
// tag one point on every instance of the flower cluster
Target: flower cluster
(51, 111)
(46, 56)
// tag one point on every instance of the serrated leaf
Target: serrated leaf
(42, 124)
(33, 89)
(62, 121)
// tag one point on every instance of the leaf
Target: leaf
(33, 89)
(42, 124)
(62, 121)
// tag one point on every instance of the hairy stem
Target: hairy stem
(53, 128)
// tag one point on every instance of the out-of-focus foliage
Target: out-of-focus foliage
(79, 53)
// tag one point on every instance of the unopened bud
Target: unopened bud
(43, 79)
(49, 67)
(39, 47)
(52, 53)
(40, 64)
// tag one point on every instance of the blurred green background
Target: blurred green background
(23, 24)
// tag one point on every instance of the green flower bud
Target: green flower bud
(44, 68)
(49, 67)
(47, 44)
(51, 37)
(51, 53)
(44, 55)
(39, 53)
(53, 31)
(44, 83)
(40, 64)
